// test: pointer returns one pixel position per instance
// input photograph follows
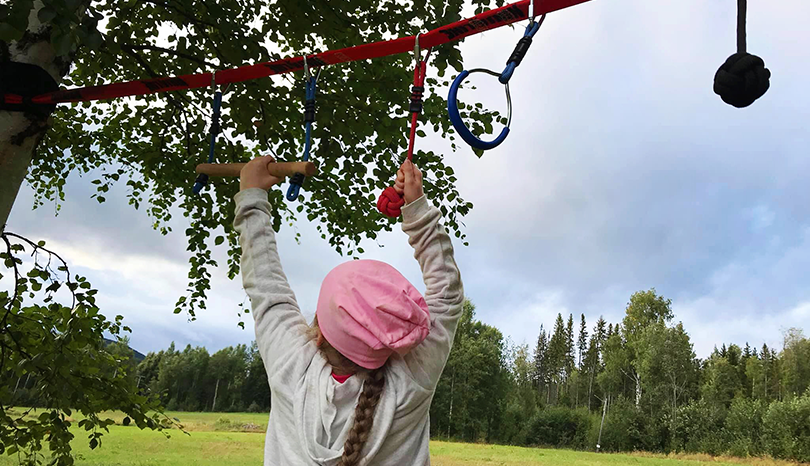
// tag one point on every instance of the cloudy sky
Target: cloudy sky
(623, 171)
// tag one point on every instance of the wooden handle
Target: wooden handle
(280, 169)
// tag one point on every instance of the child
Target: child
(355, 387)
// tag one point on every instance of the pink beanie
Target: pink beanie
(367, 310)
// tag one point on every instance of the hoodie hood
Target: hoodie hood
(324, 412)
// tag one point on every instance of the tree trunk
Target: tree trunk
(674, 402)
(216, 390)
(590, 392)
(450, 418)
(766, 386)
(602, 424)
(21, 132)
(18, 384)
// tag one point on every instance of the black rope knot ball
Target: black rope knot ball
(742, 79)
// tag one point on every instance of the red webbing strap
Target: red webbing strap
(459, 30)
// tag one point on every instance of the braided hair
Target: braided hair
(373, 384)
(363, 417)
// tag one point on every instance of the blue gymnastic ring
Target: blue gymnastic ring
(458, 123)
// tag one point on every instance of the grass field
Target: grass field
(237, 439)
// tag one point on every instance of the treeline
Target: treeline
(233, 379)
(632, 385)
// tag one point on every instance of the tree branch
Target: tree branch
(38, 247)
(132, 47)
(138, 58)
(182, 13)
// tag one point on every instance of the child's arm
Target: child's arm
(444, 293)
(280, 327)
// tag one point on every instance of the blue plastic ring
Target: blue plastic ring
(458, 123)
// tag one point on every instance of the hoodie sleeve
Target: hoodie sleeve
(444, 292)
(280, 327)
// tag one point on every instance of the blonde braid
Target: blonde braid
(363, 417)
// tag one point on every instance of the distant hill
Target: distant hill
(138, 356)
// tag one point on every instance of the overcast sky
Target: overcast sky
(623, 172)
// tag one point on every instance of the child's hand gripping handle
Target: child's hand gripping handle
(407, 188)
(280, 169)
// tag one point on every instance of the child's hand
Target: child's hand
(409, 182)
(255, 175)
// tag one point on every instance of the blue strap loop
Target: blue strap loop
(511, 65)
(458, 123)
(297, 180)
(520, 50)
(202, 180)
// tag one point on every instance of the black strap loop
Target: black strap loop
(417, 93)
(298, 179)
(520, 50)
(27, 81)
(309, 111)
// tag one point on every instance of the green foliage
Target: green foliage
(231, 380)
(645, 308)
(698, 427)
(616, 359)
(151, 144)
(795, 362)
(786, 428)
(667, 366)
(468, 402)
(743, 427)
(225, 424)
(560, 427)
(721, 381)
(59, 351)
(624, 427)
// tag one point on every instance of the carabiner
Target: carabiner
(297, 181)
(458, 123)
(533, 10)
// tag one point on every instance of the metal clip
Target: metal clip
(532, 10)
(308, 74)
(417, 51)
(214, 84)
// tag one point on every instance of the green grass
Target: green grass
(212, 441)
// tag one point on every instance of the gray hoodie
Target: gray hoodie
(311, 413)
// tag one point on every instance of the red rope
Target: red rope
(485, 21)
(390, 201)
(418, 82)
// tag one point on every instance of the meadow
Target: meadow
(237, 439)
